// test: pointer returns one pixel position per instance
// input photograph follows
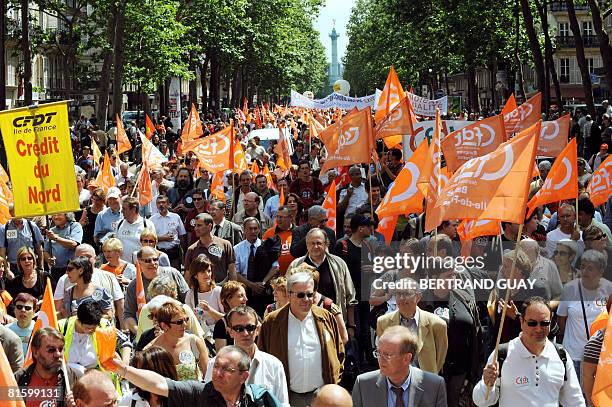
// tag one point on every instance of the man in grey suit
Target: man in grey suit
(397, 384)
(222, 227)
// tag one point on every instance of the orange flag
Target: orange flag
(474, 140)
(7, 381)
(404, 196)
(216, 187)
(266, 172)
(46, 317)
(553, 137)
(95, 152)
(386, 227)
(602, 388)
(215, 152)
(281, 199)
(314, 127)
(470, 229)
(494, 186)
(3, 175)
(150, 153)
(123, 143)
(6, 198)
(105, 179)
(600, 187)
(391, 95)
(510, 105)
(258, 123)
(600, 322)
(329, 204)
(141, 299)
(255, 168)
(245, 107)
(149, 127)
(283, 160)
(239, 162)
(145, 190)
(562, 180)
(524, 116)
(193, 126)
(106, 339)
(349, 141)
(400, 120)
(433, 168)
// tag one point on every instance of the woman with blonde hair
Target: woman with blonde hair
(28, 279)
(204, 296)
(233, 294)
(124, 271)
(189, 352)
(279, 290)
(148, 237)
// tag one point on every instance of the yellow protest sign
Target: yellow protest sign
(39, 153)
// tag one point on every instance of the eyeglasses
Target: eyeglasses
(180, 321)
(151, 260)
(242, 328)
(226, 369)
(147, 241)
(385, 356)
(24, 307)
(560, 253)
(544, 323)
(30, 258)
(302, 294)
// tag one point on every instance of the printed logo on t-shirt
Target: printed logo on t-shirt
(11, 234)
(215, 251)
(521, 381)
(185, 357)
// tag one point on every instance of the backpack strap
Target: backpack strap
(563, 356)
(502, 353)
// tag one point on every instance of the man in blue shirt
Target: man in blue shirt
(16, 234)
(63, 238)
(110, 217)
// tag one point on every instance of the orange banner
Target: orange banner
(391, 95)
(472, 141)
(524, 116)
(329, 204)
(400, 120)
(123, 143)
(553, 137)
(215, 152)
(600, 187)
(193, 126)
(470, 229)
(562, 180)
(510, 105)
(386, 227)
(494, 186)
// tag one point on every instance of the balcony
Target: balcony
(568, 41)
(562, 6)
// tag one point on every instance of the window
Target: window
(587, 28)
(590, 64)
(564, 70)
(563, 29)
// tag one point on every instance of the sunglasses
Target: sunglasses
(147, 241)
(544, 323)
(302, 294)
(151, 260)
(24, 307)
(560, 253)
(241, 328)
(180, 321)
(27, 258)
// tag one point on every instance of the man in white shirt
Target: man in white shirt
(532, 373)
(171, 233)
(266, 370)
(566, 230)
(129, 229)
(354, 195)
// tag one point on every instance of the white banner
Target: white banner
(423, 106)
(331, 101)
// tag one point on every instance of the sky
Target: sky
(339, 10)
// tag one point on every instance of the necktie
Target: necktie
(217, 228)
(399, 393)
(251, 264)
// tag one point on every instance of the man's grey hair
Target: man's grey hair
(316, 210)
(315, 231)
(163, 285)
(544, 165)
(597, 257)
(85, 247)
(298, 278)
(244, 364)
(251, 219)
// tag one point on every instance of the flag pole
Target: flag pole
(137, 180)
(577, 224)
(503, 315)
(370, 184)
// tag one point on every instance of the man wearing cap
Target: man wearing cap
(109, 218)
(599, 157)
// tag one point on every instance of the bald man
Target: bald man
(332, 395)
(94, 389)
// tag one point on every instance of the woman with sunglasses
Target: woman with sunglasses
(233, 294)
(564, 256)
(80, 271)
(189, 352)
(582, 300)
(148, 237)
(25, 307)
(28, 279)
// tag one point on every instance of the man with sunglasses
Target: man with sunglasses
(266, 370)
(228, 386)
(534, 371)
(305, 339)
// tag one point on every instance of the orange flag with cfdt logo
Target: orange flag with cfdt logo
(602, 388)
(193, 126)
(123, 143)
(400, 120)
(524, 116)
(105, 179)
(494, 186)
(283, 160)
(329, 204)
(391, 95)
(215, 152)
(386, 227)
(562, 180)
(472, 141)
(239, 163)
(349, 140)
(553, 137)
(600, 187)
(510, 105)
(470, 229)
(404, 196)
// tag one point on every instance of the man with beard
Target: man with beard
(180, 195)
(46, 370)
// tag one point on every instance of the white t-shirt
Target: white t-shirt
(129, 234)
(171, 223)
(575, 337)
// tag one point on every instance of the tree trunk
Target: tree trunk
(472, 90)
(492, 81)
(146, 105)
(118, 59)
(161, 91)
(517, 57)
(584, 71)
(236, 87)
(535, 45)
(204, 86)
(193, 89)
(105, 75)
(215, 83)
(548, 51)
(27, 57)
(604, 41)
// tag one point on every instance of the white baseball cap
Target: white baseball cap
(113, 192)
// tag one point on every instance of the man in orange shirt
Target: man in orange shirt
(283, 229)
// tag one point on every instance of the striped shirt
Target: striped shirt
(593, 347)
